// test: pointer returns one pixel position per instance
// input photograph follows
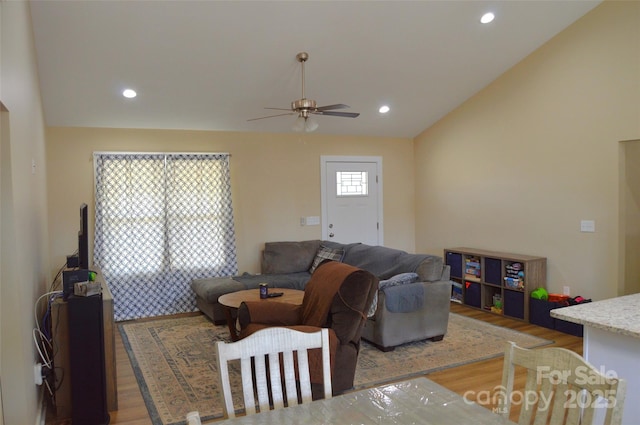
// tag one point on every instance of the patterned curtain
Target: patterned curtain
(161, 221)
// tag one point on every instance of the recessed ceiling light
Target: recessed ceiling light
(384, 109)
(487, 17)
(130, 94)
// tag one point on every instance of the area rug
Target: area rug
(174, 360)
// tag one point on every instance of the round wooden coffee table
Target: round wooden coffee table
(231, 302)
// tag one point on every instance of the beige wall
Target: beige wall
(630, 215)
(517, 166)
(275, 180)
(24, 265)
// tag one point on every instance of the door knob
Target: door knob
(331, 235)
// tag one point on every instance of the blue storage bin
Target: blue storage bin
(569, 327)
(513, 304)
(539, 313)
(493, 271)
(455, 261)
(472, 294)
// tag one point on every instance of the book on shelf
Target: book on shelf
(456, 292)
(514, 283)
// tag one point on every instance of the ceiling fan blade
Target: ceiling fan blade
(336, 106)
(338, 114)
(271, 116)
(279, 109)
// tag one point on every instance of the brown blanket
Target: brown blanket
(320, 291)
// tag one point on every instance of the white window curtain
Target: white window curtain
(161, 221)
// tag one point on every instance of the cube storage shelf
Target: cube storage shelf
(496, 279)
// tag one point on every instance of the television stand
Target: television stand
(61, 359)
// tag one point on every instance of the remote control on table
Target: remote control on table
(275, 294)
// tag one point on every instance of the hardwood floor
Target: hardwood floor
(475, 378)
(483, 377)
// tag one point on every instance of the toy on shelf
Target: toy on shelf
(540, 294)
(514, 275)
(472, 269)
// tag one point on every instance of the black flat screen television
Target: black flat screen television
(83, 239)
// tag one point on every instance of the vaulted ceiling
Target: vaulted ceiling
(212, 65)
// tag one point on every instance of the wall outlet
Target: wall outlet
(313, 220)
(566, 290)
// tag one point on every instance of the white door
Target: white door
(352, 199)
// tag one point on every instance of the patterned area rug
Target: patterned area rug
(174, 360)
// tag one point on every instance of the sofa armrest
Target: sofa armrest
(438, 294)
(387, 329)
(446, 272)
(269, 313)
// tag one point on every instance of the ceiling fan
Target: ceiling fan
(304, 107)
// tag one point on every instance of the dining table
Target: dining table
(413, 401)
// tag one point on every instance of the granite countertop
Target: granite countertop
(619, 315)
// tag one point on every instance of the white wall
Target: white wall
(519, 165)
(24, 265)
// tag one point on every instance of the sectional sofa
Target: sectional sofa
(412, 301)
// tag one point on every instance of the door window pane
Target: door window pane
(352, 183)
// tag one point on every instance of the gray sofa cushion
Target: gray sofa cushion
(382, 261)
(387, 262)
(278, 280)
(430, 268)
(399, 279)
(288, 257)
(211, 288)
(404, 298)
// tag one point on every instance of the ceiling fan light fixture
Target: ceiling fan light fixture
(298, 125)
(310, 125)
(304, 125)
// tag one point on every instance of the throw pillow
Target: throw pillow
(398, 279)
(325, 253)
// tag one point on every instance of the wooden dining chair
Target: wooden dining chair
(262, 382)
(561, 388)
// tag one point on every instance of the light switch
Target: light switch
(587, 226)
(313, 220)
